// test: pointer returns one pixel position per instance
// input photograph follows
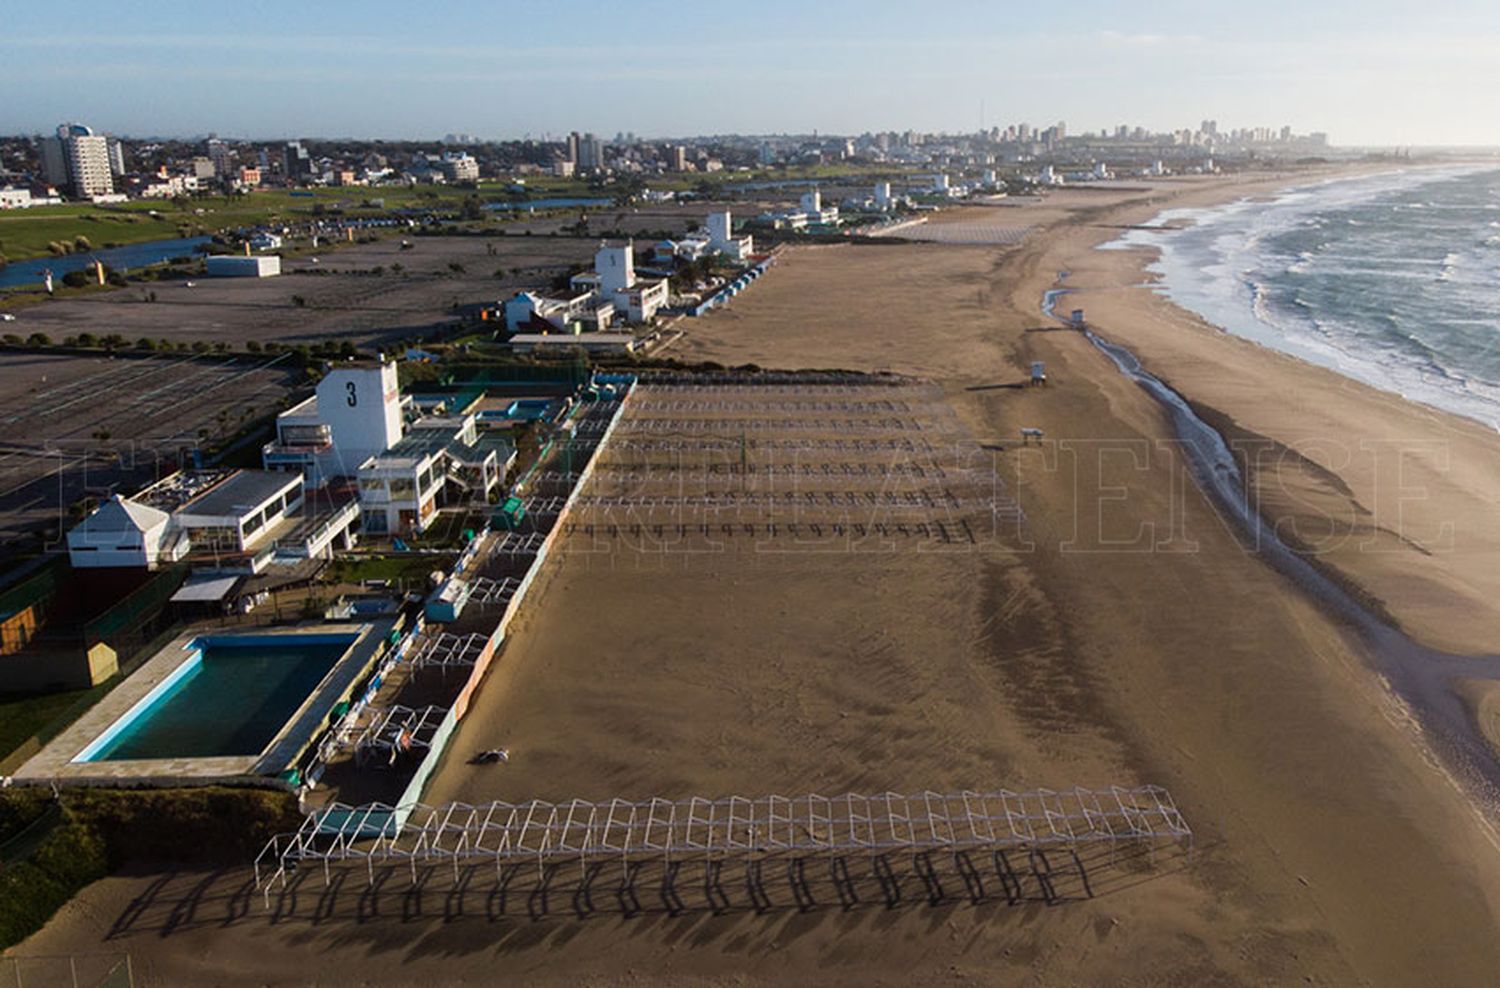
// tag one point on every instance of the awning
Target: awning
(205, 589)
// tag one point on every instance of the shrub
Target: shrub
(18, 808)
(65, 860)
(215, 825)
(75, 279)
(98, 829)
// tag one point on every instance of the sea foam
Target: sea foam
(1389, 279)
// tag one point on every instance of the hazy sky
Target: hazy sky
(1367, 71)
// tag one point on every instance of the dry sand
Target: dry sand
(1331, 848)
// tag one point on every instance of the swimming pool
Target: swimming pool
(230, 697)
(522, 410)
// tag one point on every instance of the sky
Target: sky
(1371, 72)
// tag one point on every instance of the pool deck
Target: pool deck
(54, 763)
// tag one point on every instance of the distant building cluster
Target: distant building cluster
(79, 163)
(594, 299)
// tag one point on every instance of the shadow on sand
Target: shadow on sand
(356, 894)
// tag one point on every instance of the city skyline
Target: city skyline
(1373, 74)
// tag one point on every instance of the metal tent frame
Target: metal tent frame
(727, 828)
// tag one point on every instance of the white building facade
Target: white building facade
(354, 415)
(124, 534)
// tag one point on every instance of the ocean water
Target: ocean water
(1392, 279)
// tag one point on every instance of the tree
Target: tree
(252, 346)
(455, 267)
(38, 339)
(471, 208)
(145, 343)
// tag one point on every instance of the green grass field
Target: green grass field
(402, 569)
(28, 233)
(23, 716)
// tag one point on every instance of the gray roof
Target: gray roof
(243, 491)
(119, 514)
(209, 587)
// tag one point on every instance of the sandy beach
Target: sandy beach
(1126, 636)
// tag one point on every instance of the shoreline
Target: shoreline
(1454, 700)
(1167, 274)
(1388, 491)
(1443, 672)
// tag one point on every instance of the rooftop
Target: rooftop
(419, 443)
(121, 515)
(308, 408)
(175, 490)
(243, 490)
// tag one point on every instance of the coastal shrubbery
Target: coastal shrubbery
(50, 850)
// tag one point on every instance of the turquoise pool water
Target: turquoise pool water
(230, 698)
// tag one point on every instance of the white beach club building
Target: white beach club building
(122, 533)
(354, 415)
